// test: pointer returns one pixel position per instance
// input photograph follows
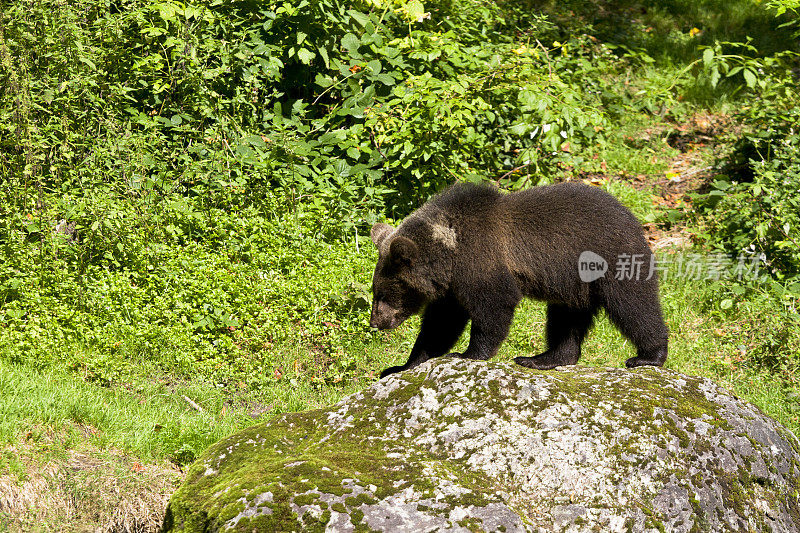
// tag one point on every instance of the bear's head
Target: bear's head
(394, 299)
(398, 283)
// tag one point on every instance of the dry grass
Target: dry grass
(50, 488)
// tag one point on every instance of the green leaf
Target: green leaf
(359, 17)
(749, 78)
(721, 184)
(715, 75)
(301, 148)
(734, 71)
(85, 60)
(255, 140)
(323, 81)
(385, 79)
(374, 66)
(350, 42)
(305, 55)
(324, 53)
(415, 10)
(708, 56)
(342, 168)
(727, 303)
(519, 129)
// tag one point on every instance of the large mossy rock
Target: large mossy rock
(458, 445)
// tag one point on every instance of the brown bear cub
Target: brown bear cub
(472, 253)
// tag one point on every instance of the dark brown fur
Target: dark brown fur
(472, 253)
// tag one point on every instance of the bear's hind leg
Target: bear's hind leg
(654, 357)
(639, 318)
(566, 329)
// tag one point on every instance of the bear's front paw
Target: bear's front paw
(633, 362)
(392, 370)
(545, 361)
(469, 356)
(530, 362)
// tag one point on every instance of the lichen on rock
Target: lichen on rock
(457, 445)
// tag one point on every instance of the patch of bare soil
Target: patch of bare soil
(81, 489)
(689, 171)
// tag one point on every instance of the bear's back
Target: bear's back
(466, 200)
(539, 234)
(563, 215)
(555, 221)
(567, 216)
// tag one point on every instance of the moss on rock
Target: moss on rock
(482, 446)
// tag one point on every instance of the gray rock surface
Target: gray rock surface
(456, 445)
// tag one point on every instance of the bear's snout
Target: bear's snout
(384, 316)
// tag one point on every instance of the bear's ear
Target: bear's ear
(403, 252)
(380, 232)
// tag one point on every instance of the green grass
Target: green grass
(636, 146)
(149, 418)
(154, 422)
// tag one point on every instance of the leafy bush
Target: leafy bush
(185, 183)
(753, 204)
(227, 99)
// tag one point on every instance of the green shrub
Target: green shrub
(752, 205)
